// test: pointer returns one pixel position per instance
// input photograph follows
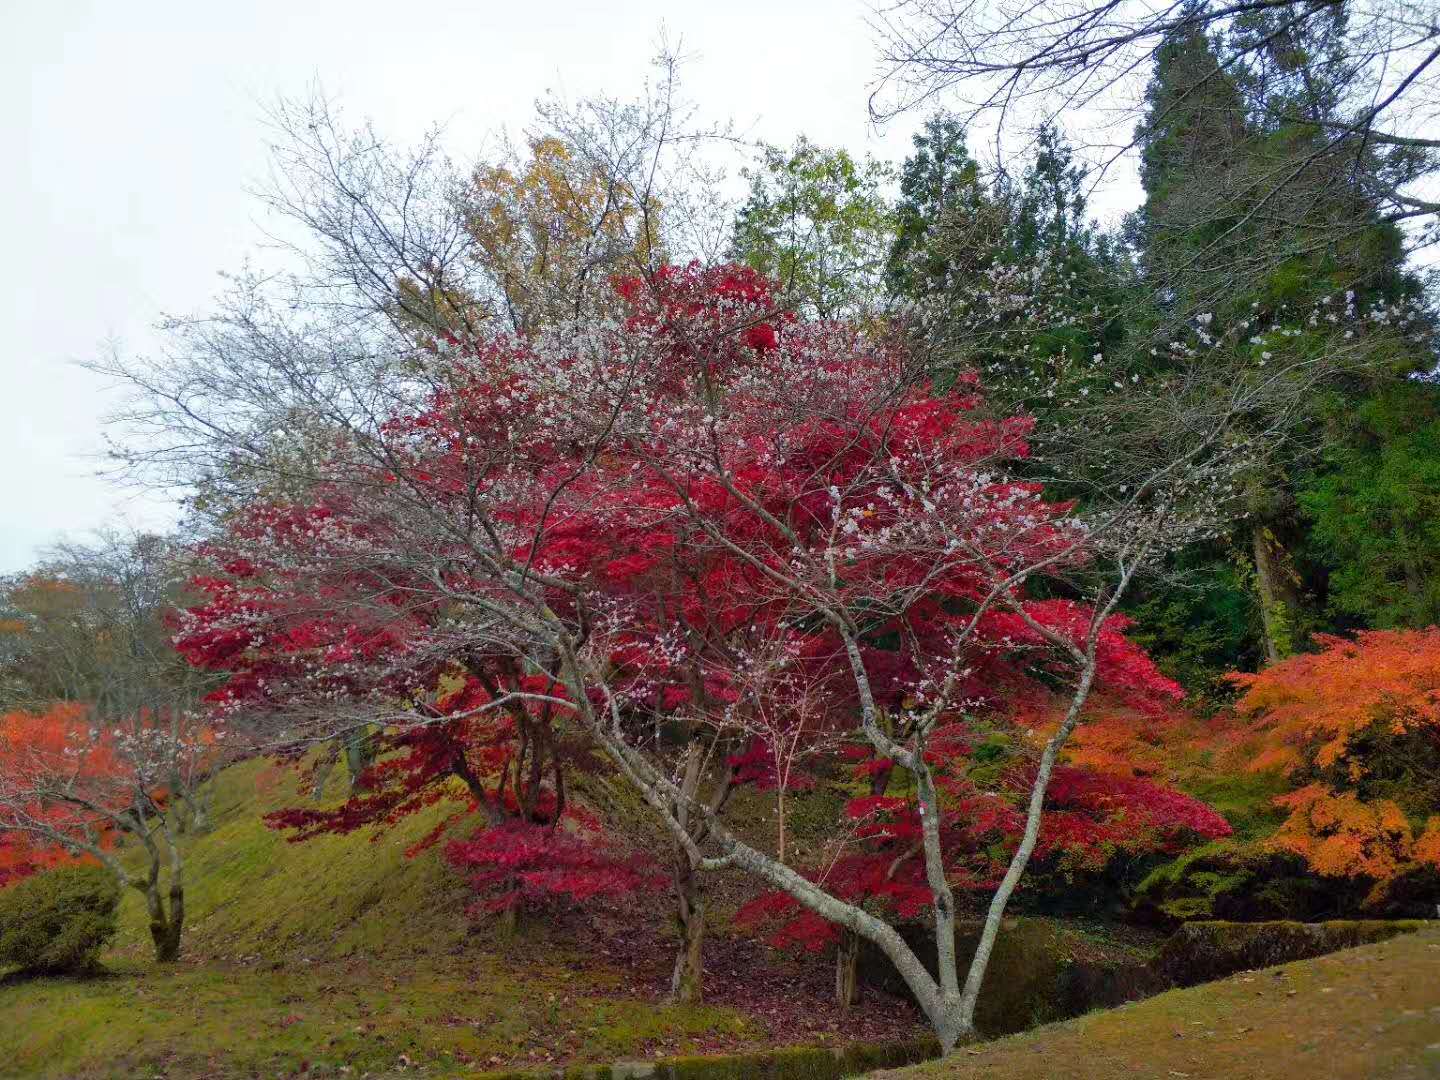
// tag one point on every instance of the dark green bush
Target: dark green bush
(58, 920)
(1238, 881)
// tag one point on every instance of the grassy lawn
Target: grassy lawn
(343, 957)
(334, 954)
(1371, 1013)
(215, 1020)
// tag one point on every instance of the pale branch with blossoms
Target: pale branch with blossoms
(612, 524)
(680, 529)
(395, 248)
(524, 237)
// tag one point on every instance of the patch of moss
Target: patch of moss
(1246, 800)
(790, 1063)
(1188, 886)
(1371, 1013)
(1040, 970)
(250, 893)
(1201, 951)
(339, 952)
(1240, 881)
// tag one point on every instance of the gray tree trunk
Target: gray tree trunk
(847, 957)
(169, 925)
(687, 979)
(980, 963)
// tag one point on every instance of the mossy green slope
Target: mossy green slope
(336, 954)
(1371, 1013)
(252, 895)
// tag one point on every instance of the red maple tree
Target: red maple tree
(707, 538)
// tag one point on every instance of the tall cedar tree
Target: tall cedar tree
(1216, 242)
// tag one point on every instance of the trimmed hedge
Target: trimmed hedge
(58, 920)
(1201, 951)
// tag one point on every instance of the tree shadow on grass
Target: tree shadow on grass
(97, 973)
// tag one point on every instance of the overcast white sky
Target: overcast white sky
(132, 131)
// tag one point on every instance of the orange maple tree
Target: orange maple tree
(72, 779)
(47, 742)
(1357, 726)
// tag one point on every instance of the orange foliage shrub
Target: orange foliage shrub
(1358, 725)
(20, 857)
(1117, 739)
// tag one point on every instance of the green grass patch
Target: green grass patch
(1371, 1013)
(267, 1019)
(251, 893)
(337, 953)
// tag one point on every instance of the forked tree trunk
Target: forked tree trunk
(687, 979)
(980, 962)
(688, 976)
(165, 925)
(948, 1004)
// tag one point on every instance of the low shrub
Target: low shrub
(1242, 882)
(58, 920)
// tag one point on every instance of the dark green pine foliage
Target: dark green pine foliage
(1087, 281)
(1200, 621)
(1292, 268)
(1009, 274)
(1373, 506)
(1203, 616)
(942, 196)
(1194, 140)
